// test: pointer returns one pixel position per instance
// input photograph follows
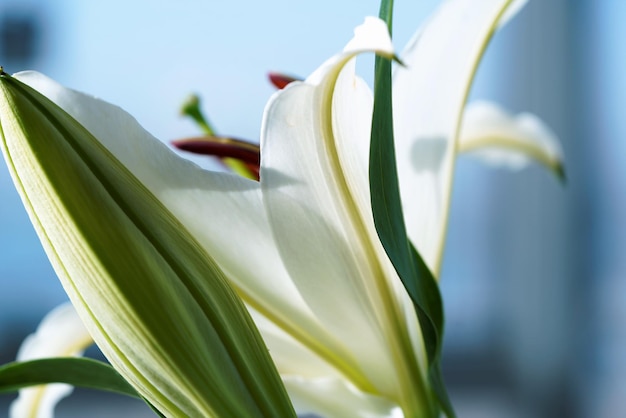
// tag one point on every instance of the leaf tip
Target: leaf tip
(397, 59)
(559, 171)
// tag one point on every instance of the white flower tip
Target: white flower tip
(535, 127)
(60, 333)
(371, 35)
(512, 141)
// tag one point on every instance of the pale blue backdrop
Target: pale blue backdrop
(533, 276)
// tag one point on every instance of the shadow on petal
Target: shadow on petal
(427, 154)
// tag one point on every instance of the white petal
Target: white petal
(371, 36)
(291, 356)
(512, 141)
(316, 195)
(429, 96)
(312, 231)
(332, 397)
(314, 386)
(60, 334)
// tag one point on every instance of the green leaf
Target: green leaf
(389, 220)
(80, 372)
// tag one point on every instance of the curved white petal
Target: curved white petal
(316, 387)
(315, 190)
(331, 397)
(502, 139)
(429, 96)
(60, 334)
(303, 203)
(291, 356)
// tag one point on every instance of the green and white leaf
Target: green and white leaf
(80, 372)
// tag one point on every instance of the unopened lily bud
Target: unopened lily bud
(155, 302)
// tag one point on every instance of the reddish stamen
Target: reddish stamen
(223, 147)
(280, 81)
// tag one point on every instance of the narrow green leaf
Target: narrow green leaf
(429, 308)
(80, 372)
(389, 220)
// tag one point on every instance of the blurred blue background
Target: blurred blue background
(533, 278)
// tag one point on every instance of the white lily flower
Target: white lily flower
(60, 334)
(300, 246)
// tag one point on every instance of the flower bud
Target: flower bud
(155, 302)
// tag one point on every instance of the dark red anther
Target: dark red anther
(223, 147)
(280, 81)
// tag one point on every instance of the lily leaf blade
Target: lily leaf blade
(80, 372)
(389, 221)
